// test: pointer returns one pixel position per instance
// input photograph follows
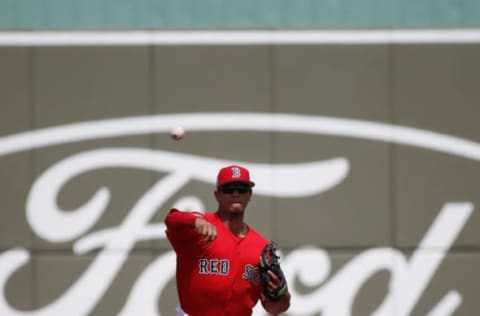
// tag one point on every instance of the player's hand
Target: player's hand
(206, 229)
(271, 274)
(272, 285)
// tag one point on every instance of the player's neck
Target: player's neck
(234, 223)
(239, 229)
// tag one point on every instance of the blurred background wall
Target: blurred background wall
(380, 141)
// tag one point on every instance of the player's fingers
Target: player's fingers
(202, 229)
(211, 233)
(208, 233)
(214, 232)
(271, 287)
(275, 280)
(201, 225)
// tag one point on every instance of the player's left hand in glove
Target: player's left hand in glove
(274, 282)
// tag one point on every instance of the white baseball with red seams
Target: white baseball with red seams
(177, 133)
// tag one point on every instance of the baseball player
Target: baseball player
(223, 265)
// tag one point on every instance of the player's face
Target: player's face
(233, 197)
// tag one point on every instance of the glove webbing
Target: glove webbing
(269, 260)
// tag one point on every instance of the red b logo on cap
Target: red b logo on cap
(236, 172)
(233, 174)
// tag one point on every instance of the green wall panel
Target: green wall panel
(209, 14)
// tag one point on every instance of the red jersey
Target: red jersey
(219, 277)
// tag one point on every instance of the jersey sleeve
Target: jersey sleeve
(181, 225)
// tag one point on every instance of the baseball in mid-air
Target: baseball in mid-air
(177, 133)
